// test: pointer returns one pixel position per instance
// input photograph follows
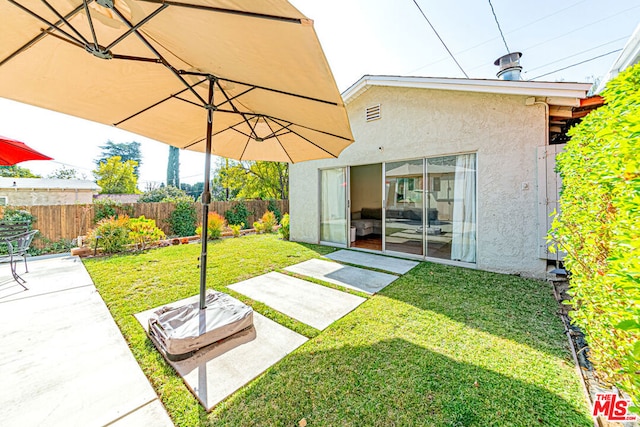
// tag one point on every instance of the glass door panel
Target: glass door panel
(404, 228)
(333, 205)
(451, 208)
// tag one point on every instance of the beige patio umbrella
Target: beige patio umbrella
(235, 78)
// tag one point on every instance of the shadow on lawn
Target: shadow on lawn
(522, 310)
(391, 383)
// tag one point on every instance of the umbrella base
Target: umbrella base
(179, 332)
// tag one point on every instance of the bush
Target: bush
(183, 218)
(239, 214)
(18, 215)
(273, 207)
(600, 231)
(163, 193)
(266, 223)
(107, 208)
(284, 229)
(52, 246)
(143, 231)
(111, 234)
(235, 229)
(215, 225)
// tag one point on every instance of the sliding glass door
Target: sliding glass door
(404, 226)
(333, 206)
(451, 208)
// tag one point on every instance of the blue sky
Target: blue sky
(382, 37)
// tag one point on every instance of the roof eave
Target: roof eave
(505, 87)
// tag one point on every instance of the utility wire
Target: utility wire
(498, 24)
(574, 55)
(440, 38)
(578, 63)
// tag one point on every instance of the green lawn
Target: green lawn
(441, 346)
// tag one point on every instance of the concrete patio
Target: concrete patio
(63, 360)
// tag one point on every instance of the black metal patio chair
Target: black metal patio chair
(14, 246)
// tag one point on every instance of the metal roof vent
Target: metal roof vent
(509, 66)
(372, 113)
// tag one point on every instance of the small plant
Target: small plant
(269, 221)
(183, 218)
(235, 229)
(284, 229)
(215, 225)
(273, 207)
(239, 214)
(258, 226)
(111, 234)
(143, 231)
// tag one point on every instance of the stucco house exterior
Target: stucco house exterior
(46, 191)
(457, 171)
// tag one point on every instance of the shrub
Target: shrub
(215, 225)
(18, 215)
(163, 193)
(273, 207)
(183, 218)
(284, 229)
(235, 229)
(600, 231)
(110, 234)
(239, 214)
(52, 246)
(107, 208)
(143, 231)
(266, 223)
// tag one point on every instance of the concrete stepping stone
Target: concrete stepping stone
(393, 265)
(356, 278)
(310, 303)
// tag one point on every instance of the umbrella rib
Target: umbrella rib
(135, 27)
(309, 141)
(310, 98)
(155, 52)
(137, 58)
(229, 11)
(93, 30)
(224, 93)
(156, 104)
(276, 137)
(246, 145)
(312, 129)
(61, 18)
(40, 18)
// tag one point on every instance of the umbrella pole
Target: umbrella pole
(206, 199)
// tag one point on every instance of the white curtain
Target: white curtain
(463, 244)
(333, 221)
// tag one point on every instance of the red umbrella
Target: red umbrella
(12, 152)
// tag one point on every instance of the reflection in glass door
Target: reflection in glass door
(451, 208)
(333, 206)
(404, 228)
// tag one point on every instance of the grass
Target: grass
(441, 346)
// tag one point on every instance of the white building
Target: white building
(46, 191)
(458, 171)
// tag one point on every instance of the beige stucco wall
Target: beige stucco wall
(416, 123)
(33, 197)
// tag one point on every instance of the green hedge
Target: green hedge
(599, 228)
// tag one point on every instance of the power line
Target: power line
(498, 24)
(578, 63)
(576, 54)
(440, 38)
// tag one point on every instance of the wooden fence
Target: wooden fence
(70, 221)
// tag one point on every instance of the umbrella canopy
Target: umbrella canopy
(12, 152)
(146, 67)
(162, 68)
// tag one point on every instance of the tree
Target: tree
(65, 173)
(255, 180)
(124, 150)
(116, 177)
(162, 193)
(17, 172)
(173, 167)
